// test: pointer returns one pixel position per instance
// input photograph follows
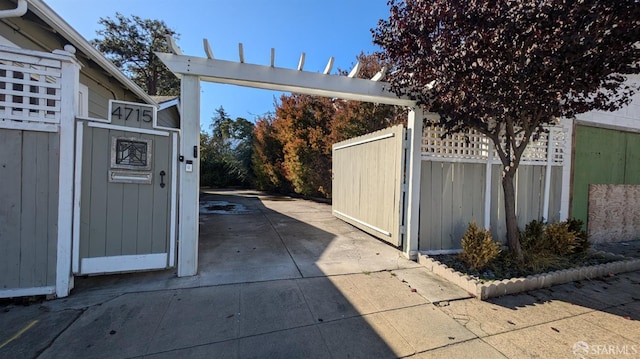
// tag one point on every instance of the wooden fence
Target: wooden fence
(368, 174)
(461, 183)
(36, 171)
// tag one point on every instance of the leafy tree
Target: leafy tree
(355, 118)
(508, 67)
(293, 145)
(225, 153)
(302, 125)
(268, 158)
(130, 44)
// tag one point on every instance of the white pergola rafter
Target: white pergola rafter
(286, 80)
(192, 70)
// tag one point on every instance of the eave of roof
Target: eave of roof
(165, 102)
(54, 20)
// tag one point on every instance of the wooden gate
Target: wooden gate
(127, 204)
(368, 177)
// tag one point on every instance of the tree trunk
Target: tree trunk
(513, 235)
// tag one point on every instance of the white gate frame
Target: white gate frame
(192, 70)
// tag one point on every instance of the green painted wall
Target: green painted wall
(602, 156)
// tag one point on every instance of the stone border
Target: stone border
(497, 288)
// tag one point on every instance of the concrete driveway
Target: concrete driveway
(282, 278)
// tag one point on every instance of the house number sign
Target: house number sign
(131, 112)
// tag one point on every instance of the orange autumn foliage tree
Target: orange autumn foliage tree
(292, 148)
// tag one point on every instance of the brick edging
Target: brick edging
(497, 288)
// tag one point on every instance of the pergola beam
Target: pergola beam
(171, 42)
(329, 66)
(286, 80)
(355, 70)
(207, 49)
(241, 52)
(380, 75)
(273, 57)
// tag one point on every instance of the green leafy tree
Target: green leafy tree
(130, 44)
(302, 125)
(268, 158)
(506, 68)
(226, 152)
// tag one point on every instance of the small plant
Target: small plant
(532, 238)
(478, 247)
(582, 242)
(559, 239)
(562, 238)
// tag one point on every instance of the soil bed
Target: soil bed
(505, 266)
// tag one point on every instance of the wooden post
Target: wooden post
(547, 176)
(189, 177)
(414, 170)
(567, 153)
(68, 106)
(487, 184)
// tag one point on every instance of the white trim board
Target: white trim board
(125, 263)
(174, 199)
(24, 292)
(379, 230)
(75, 262)
(29, 126)
(128, 129)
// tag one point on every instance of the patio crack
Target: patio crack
(282, 241)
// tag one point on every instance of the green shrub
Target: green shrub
(478, 247)
(548, 239)
(559, 239)
(532, 238)
(582, 242)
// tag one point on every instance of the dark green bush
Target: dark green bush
(561, 238)
(532, 238)
(583, 244)
(478, 247)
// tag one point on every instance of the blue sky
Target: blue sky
(320, 28)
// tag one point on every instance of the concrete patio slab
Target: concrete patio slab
(556, 339)
(126, 324)
(272, 306)
(384, 291)
(333, 298)
(431, 286)
(305, 342)
(369, 336)
(624, 326)
(42, 324)
(475, 348)
(503, 314)
(425, 327)
(196, 317)
(223, 350)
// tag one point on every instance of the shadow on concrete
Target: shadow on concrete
(278, 278)
(246, 238)
(618, 295)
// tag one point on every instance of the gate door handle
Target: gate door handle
(162, 174)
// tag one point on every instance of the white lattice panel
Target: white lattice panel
(30, 90)
(472, 146)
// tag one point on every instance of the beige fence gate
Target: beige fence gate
(368, 177)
